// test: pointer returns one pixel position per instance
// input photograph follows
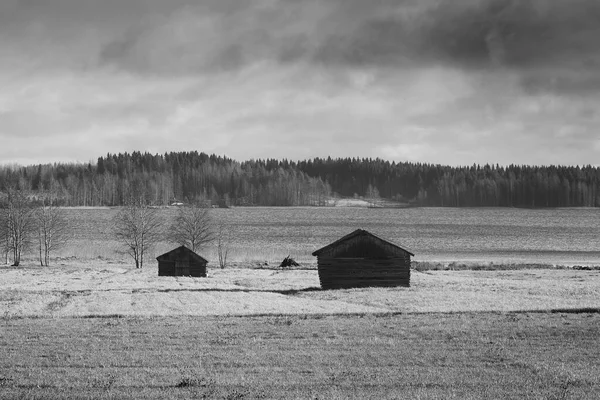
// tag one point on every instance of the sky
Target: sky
(432, 81)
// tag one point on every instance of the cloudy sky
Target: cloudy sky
(442, 81)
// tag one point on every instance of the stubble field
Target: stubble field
(417, 356)
(92, 326)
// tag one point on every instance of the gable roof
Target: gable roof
(358, 232)
(195, 256)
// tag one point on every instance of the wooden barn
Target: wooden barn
(181, 262)
(361, 259)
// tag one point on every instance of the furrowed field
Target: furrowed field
(495, 310)
(480, 235)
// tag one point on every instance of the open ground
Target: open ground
(108, 331)
(99, 289)
(418, 356)
(92, 326)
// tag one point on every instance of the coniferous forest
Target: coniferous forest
(193, 176)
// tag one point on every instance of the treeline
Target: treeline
(467, 186)
(173, 177)
(199, 177)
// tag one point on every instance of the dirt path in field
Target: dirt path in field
(97, 289)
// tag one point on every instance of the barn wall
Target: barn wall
(166, 268)
(338, 273)
(198, 270)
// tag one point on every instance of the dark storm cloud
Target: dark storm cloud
(183, 36)
(552, 45)
(473, 33)
(552, 37)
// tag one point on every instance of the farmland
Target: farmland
(99, 289)
(437, 356)
(92, 326)
(475, 235)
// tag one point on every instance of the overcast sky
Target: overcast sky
(442, 81)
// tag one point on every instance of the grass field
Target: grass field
(101, 289)
(92, 326)
(420, 356)
(107, 331)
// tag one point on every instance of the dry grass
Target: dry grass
(102, 288)
(462, 356)
(491, 266)
(473, 291)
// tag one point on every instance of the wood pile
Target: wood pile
(288, 262)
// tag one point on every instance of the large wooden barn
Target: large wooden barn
(181, 262)
(361, 259)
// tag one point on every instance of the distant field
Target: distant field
(475, 235)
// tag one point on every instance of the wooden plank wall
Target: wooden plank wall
(166, 268)
(337, 273)
(198, 270)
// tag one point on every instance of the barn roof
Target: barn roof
(358, 232)
(180, 249)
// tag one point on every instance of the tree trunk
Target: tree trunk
(16, 257)
(40, 242)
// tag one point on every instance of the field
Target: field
(421, 356)
(92, 326)
(480, 235)
(118, 290)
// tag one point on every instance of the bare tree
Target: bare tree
(4, 233)
(138, 227)
(372, 195)
(53, 230)
(17, 222)
(223, 243)
(192, 227)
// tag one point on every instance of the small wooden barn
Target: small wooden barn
(361, 259)
(181, 262)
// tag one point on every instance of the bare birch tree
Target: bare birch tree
(52, 228)
(4, 233)
(372, 195)
(223, 243)
(138, 227)
(192, 227)
(16, 219)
